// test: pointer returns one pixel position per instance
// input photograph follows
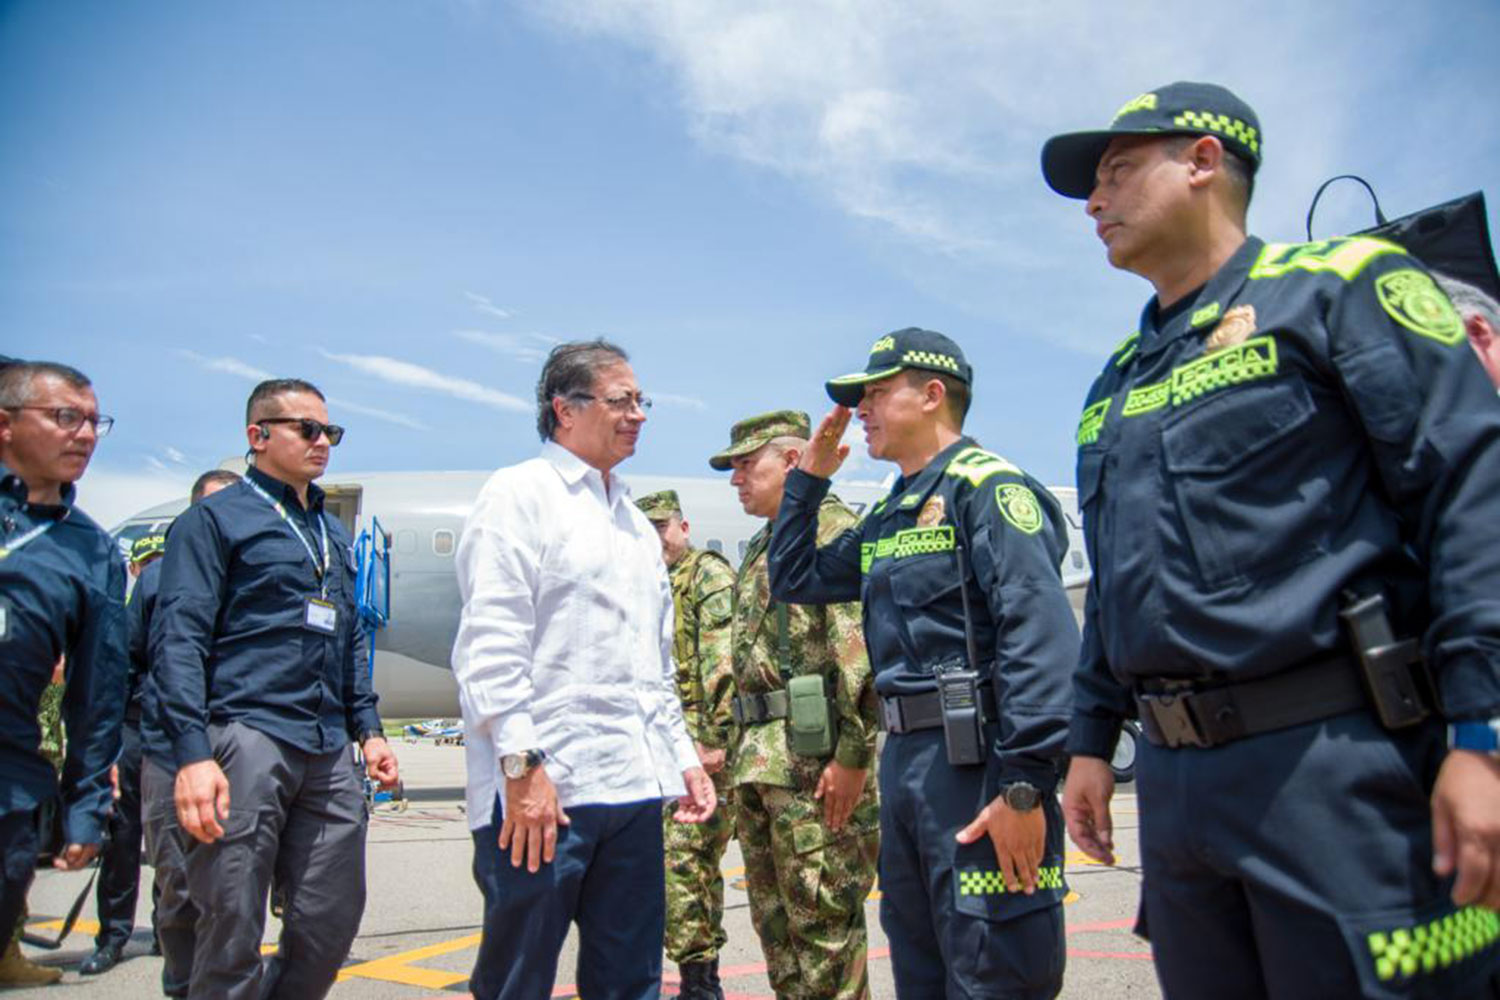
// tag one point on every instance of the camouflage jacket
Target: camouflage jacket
(825, 639)
(703, 602)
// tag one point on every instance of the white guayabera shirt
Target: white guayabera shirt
(565, 640)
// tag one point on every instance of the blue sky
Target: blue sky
(409, 202)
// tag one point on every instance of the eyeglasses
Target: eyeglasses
(309, 428)
(621, 404)
(69, 419)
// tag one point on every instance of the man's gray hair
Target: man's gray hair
(570, 370)
(16, 380)
(1469, 300)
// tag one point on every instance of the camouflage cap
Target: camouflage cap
(147, 546)
(660, 506)
(909, 348)
(755, 432)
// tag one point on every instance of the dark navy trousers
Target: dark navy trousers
(18, 847)
(952, 928)
(120, 859)
(1298, 864)
(608, 876)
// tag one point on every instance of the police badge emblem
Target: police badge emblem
(1234, 329)
(931, 514)
(1019, 506)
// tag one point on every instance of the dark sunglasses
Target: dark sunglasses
(309, 428)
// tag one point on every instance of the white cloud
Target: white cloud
(175, 455)
(336, 404)
(483, 304)
(683, 402)
(415, 376)
(530, 347)
(227, 365)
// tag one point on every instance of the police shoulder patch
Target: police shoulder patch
(1019, 506)
(1413, 299)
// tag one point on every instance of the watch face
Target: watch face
(1022, 797)
(513, 765)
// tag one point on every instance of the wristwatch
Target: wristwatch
(1478, 735)
(1022, 796)
(519, 765)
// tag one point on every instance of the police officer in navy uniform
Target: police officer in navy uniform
(173, 914)
(62, 593)
(1288, 478)
(253, 659)
(958, 571)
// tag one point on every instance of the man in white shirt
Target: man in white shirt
(573, 729)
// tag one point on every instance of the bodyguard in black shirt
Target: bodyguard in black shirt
(62, 592)
(252, 656)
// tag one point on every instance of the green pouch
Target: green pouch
(809, 722)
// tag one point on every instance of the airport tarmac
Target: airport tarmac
(421, 925)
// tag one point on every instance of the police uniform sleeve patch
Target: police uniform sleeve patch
(1414, 300)
(1019, 506)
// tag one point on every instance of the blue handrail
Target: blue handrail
(372, 582)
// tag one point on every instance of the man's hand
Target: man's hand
(1466, 827)
(824, 454)
(202, 796)
(1019, 838)
(532, 816)
(1085, 806)
(712, 760)
(698, 803)
(380, 762)
(75, 856)
(839, 788)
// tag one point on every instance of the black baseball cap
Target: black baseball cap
(909, 348)
(1069, 161)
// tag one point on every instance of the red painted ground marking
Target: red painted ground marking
(1106, 925)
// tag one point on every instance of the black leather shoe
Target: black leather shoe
(102, 960)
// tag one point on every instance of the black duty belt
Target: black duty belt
(754, 709)
(1192, 714)
(907, 713)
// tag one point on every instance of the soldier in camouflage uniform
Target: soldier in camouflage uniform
(702, 599)
(808, 826)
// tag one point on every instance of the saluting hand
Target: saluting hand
(202, 796)
(380, 762)
(1085, 806)
(698, 803)
(1020, 838)
(532, 816)
(1466, 827)
(839, 788)
(824, 453)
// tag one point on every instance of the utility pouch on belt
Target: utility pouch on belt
(809, 721)
(1395, 674)
(963, 725)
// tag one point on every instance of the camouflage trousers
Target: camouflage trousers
(695, 879)
(49, 717)
(808, 888)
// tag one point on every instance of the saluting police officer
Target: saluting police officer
(1288, 478)
(174, 916)
(253, 660)
(808, 819)
(702, 602)
(62, 594)
(973, 643)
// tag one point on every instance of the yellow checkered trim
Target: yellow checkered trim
(1254, 359)
(1407, 952)
(992, 883)
(931, 359)
(1222, 124)
(907, 542)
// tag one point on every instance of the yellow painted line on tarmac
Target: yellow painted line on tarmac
(79, 926)
(399, 968)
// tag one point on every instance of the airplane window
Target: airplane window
(406, 541)
(715, 545)
(442, 542)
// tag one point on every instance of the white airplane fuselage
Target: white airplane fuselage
(424, 513)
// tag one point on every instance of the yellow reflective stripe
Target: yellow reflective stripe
(1344, 257)
(976, 465)
(1125, 348)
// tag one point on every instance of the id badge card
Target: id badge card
(321, 616)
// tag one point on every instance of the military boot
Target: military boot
(715, 990)
(18, 970)
(696, 984)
